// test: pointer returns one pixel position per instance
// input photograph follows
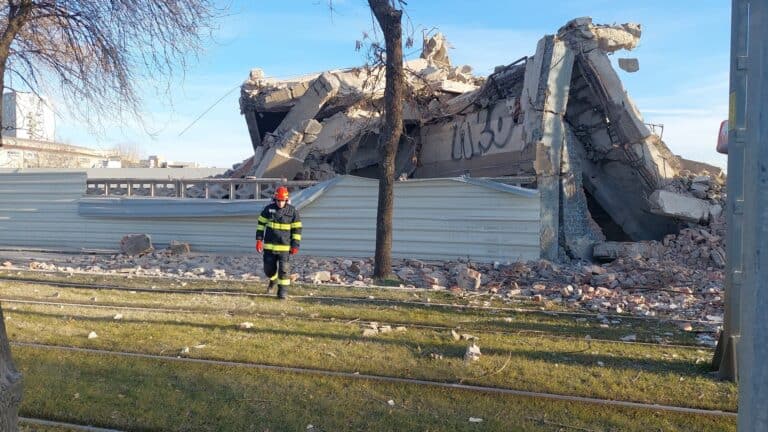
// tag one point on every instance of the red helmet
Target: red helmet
(281, 193)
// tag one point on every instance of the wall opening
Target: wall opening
(611, 230)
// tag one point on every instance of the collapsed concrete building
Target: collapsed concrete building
(560, 118)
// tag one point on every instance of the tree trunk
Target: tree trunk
(390, 21)
(10, 378)
(10, 384)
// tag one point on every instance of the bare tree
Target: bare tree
(97, 54)
(390, 21)
(130, 152)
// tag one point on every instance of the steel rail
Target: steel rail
(54, 423)
(391, 379)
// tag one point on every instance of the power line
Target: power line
(208, 109)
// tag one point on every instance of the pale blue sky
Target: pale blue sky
(682, 82)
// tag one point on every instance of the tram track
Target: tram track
(59, 424)
(384, 378)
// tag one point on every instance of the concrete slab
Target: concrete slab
(342, 127)
(608, 251)
(672, 204)
(278, 164)
(307, 107)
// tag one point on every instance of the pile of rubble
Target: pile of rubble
(663, 286)
(693, 197)
(313, 127)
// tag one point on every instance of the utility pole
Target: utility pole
(752, 134)
(725, 359)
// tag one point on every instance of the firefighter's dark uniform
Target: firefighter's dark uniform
(280, 230)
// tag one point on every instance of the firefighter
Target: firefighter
(278, 235)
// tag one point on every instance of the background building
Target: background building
(28, 116)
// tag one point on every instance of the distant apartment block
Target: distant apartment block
(28, 116)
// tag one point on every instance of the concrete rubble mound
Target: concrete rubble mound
(560, 116)
(677, 279)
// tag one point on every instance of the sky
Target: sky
(682, 82)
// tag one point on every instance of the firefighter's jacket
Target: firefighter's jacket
(279, 228)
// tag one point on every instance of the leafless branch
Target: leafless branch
(96, 55)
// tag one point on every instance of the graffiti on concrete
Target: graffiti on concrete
(478, 132)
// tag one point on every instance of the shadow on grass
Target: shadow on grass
(448, 347)
(143, 395)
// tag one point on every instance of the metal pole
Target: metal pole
(725, 359)
(753, 348)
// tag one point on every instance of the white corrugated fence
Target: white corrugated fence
(434, 218)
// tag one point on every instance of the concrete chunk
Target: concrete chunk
(310, 126)
(340, 128)
(276, 163)
(136, 244)
(322, 89)
(608, 251)
(613, 38)
(672, 204)
(629, 64)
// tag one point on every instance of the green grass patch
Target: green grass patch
(603, 369)
(141, 394)
(369, 309)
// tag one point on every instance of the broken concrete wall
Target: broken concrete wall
(578, 230)
(545, 95)
(624, 162)
(480, 143)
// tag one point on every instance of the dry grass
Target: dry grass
(138, 394)
(326, 334)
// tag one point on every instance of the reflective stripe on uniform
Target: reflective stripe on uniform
(260, 227)
(263, 220)
(279, 226)
(276, 247)
(273, 277)
(283, 282)
(296, 236)
(296, 224)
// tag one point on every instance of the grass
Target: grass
(141, 394)
(534, 351)
(366, 308)
(668, 375)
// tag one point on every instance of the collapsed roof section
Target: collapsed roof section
(561, 115)
(297, 126)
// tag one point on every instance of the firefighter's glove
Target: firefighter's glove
(294, 250)
(259, 246)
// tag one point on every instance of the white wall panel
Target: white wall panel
(434, 219)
